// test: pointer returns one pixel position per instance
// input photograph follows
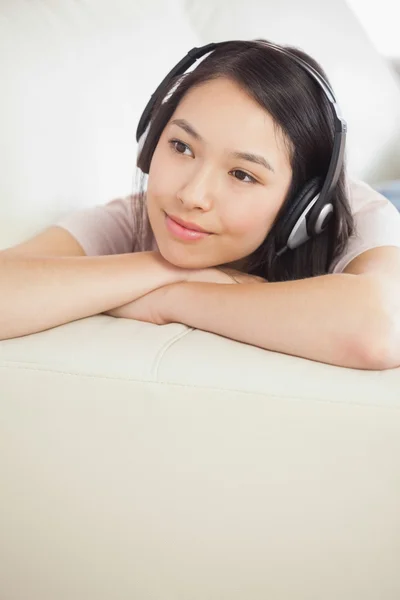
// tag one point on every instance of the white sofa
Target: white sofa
(160, 462)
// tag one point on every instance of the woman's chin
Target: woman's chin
(192, 258)
(181, 260)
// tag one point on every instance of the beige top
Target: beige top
(110, 228)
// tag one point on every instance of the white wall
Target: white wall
(381, 21)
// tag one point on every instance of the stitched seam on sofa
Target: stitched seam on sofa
(160, 354)
(213, 389)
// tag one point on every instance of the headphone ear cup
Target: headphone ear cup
(296, 208)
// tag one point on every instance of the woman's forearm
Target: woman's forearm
(338, 319)
(37, 293)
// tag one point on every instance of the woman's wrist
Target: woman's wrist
(172, 300)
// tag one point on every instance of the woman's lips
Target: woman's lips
(183, 232)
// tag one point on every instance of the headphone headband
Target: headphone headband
(179, 69)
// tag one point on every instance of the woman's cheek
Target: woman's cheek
(252, 223)
(160, 187)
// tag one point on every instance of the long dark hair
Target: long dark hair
(301, 110)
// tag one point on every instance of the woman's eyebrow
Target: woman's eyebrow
(188, 128)
(255, 158)
(249, 156)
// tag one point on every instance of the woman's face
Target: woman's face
(220, 164)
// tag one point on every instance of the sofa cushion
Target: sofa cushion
(174, 354)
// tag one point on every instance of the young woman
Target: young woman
(244, 183)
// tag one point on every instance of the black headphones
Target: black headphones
(311, 209)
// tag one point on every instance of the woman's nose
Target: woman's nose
(198, 190)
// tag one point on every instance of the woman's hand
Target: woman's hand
(153, 308)
(148, 308)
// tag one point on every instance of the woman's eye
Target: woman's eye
(242, 176)
(179, 147)
(182, 148)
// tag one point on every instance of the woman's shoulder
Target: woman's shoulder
(376, 223)
(111, 228)
(363, 197)
(374, 215)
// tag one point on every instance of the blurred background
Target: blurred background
(381, 21)
(76, 74)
